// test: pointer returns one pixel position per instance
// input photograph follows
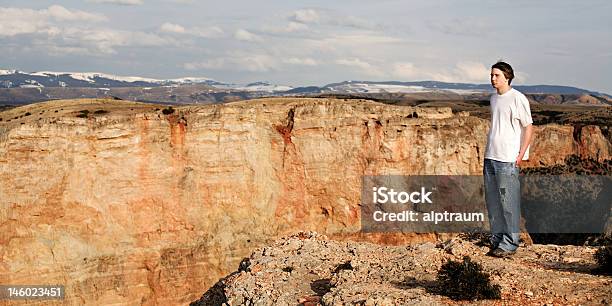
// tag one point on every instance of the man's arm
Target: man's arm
(525, 142)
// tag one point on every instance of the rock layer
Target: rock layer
(137, 207)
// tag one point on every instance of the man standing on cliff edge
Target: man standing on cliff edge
(507, 145)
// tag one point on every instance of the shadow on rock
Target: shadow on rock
(410, 282)
(573, 267)
(215, 296)
(321, 286)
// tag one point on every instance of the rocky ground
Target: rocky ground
(310, 269)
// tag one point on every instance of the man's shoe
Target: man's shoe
(501, 253)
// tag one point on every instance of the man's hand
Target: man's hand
(519, 159)
(525, 142)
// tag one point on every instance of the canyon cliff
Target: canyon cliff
(135, 206)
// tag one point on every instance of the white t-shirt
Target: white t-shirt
(510, 114)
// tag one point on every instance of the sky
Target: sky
(301, 43)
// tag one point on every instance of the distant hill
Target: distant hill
(20, 79)
(461, 88)
(18, 87)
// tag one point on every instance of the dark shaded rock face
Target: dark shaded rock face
(573, 164)
(309, 269)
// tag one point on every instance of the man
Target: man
(507, 146)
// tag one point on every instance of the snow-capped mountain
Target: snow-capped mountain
(441, 87)
(43, 79)
(20, 79)
(395, 87)
(49, 85)
(263, 86)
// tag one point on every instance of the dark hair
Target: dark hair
(506, 69)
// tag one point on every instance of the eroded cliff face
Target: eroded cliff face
(144, 208)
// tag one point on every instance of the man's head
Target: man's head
(501, 74)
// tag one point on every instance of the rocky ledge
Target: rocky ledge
(309, 269)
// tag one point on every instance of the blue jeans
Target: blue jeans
(503, 197)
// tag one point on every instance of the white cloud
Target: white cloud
(366, 46)
(241, 61)
(106, 41)
(238, 61)
(14, 21)
(256, 62)
(120, 2)
(405, 71)
(305, 16)
(172, 28)
(244, 35)
(300, 61)
(463, 72)
(295, 26)
(53, 31)
(290, 27)
(520, 78)
(59, 30)
(354, 62)
(361, 65)
(472, 71)
(17, 21)
(408, 71)
(210, 32)
(61, 13)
